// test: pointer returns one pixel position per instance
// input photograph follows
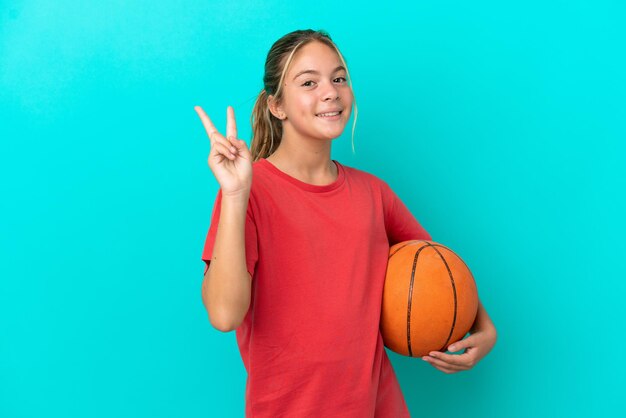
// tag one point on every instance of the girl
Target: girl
(297, 249)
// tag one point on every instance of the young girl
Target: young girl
(298, 245)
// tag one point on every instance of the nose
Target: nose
(330, 92)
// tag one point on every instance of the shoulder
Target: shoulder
(261, 176)
(265, 186)
(365, 177)
(259, 179)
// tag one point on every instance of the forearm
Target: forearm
(483, 321)
(226, 286)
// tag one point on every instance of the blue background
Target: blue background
(501, 125)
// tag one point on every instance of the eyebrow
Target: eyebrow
(341, 67)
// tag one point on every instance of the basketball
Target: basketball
(430, 298)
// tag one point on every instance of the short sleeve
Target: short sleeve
(400, 223)
(251, 250)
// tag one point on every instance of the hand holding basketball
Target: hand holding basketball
(230, 159)
(476, 346)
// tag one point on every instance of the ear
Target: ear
(275, 108)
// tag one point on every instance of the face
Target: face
(317, 100)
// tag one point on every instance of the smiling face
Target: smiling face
(316, 98)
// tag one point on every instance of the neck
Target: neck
(308, 161)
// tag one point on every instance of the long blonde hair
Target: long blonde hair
(267, 130)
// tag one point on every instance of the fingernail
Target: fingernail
(452, 348)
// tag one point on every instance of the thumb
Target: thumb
(460, 345)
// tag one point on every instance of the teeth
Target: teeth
(329, 114)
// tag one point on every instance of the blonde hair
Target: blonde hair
(267, 129)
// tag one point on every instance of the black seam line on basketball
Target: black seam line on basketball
(434, 245)
(399, 248)
(408, 319)
(455, 300)
(457, 256)
(408, 313)
(443, 246)
(429, 244)
(405, 244)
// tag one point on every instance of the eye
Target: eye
(308, 83)
(340, 80)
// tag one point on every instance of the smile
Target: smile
(329, 115)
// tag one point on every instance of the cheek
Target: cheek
(297, 103)
(306, 106)
(347, 101)
(348, 97)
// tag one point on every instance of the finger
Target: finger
(237, 143)
(442, 364)
(451, 359)
(231, 125)
(208, 125)
(460, 345)
(226, 142)
(224, 150)
(240, 145)
(219, 138)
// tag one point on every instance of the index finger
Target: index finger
(208, 125)
(231, 125)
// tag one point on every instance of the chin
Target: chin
(333, 133)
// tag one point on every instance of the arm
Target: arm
(482, 322)
(482, 338)
(400, 223)
(227, 283)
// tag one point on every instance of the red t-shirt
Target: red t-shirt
(310, 341)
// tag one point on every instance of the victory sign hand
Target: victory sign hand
(230, 159)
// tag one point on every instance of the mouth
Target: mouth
(330, 115)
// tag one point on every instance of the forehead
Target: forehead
(314, 56)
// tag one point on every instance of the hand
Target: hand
(230, 159)
(476, 346)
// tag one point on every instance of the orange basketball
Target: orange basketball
(429, 299)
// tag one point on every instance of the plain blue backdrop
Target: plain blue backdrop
(501, 125)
